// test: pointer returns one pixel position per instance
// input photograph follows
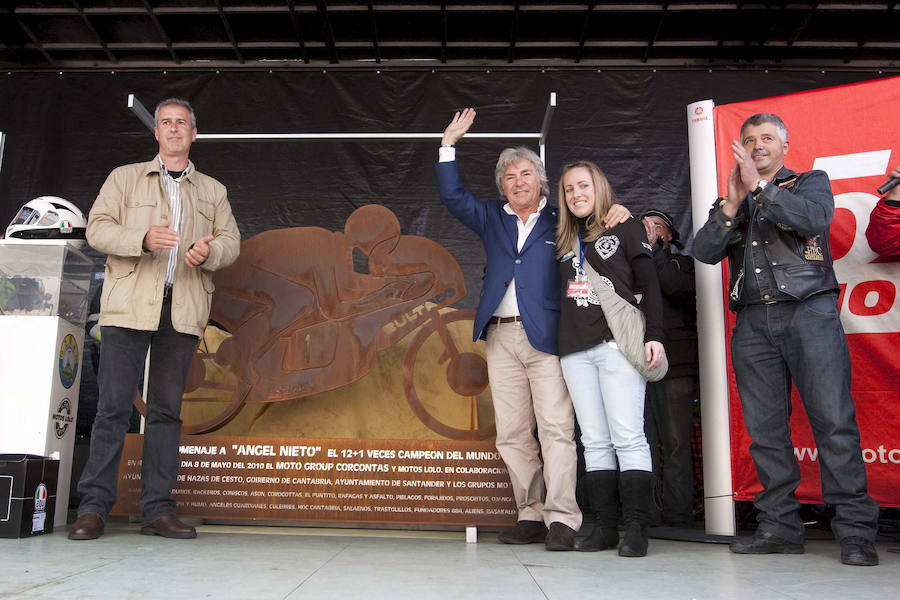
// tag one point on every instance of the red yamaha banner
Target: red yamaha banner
(852, 133)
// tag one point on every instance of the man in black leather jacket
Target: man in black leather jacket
(773, 227)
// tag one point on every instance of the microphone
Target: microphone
(888, 185)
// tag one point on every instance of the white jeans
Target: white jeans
(608, 395)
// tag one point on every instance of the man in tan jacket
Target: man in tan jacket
(166, 228)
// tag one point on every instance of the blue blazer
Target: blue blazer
(535, 268)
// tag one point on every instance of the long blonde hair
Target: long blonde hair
(568, 226)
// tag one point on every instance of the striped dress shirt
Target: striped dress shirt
(172, 188)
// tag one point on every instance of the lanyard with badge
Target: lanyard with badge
(579, 288)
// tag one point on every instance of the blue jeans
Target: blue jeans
(122, 354)
(608, 395)
(803, 342)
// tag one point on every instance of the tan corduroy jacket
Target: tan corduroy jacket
(130, 201)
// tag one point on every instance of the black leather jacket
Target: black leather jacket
(789, 258)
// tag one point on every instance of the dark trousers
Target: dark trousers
(772, 345)
(122, 354)
(668, 423)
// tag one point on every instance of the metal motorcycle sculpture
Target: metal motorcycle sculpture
(309, 309)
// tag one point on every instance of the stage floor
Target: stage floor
(260, 563)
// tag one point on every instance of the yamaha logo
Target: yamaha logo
(699, 115)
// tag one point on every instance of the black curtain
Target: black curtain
(66, 131)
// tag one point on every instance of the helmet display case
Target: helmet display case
(44, 287)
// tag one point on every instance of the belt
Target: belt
(499, 320)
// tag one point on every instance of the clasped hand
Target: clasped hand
(162, 237)
(742, 179)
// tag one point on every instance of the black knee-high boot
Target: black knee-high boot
(636, 490)
(602, 488)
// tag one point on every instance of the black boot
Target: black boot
(602, 488)
(636, 490)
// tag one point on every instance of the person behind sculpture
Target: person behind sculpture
(669, 405)
(606, 389)
(165, 228)
(517, 315)
(773, 227)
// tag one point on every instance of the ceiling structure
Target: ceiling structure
(288, 34)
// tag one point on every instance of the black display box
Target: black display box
(27, 494)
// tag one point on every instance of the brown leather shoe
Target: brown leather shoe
(560, 537)
(524, 532)
(88, 526)
(171, 527)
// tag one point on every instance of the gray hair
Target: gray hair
(760, 118)
(176, 102)
(513, 155)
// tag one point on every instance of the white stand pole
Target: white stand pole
(2, 144)
(545, 127)
(147, 119)
(718, 494)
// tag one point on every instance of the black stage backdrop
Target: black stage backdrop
(66, 131)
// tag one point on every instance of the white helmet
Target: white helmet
(48, 218)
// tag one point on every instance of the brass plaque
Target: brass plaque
(346, 480)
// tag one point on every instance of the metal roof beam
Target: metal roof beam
(444, 31)
(882, 64)
(34, 39)
(512, 33)
(767, 33)
(327, 31)
(864, 37)
(162, 32)
(585, 25)
(374, 32)
(298, 30)
(96, 33)
(725, 29)
(798, 30)
(227, 26)
(276, 7)
(659, 24)
(642, 44)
